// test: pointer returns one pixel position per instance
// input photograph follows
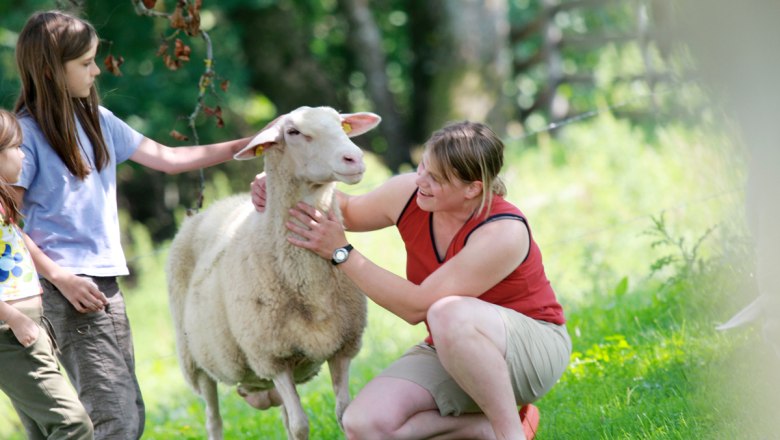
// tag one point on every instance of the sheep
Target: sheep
(248, 307)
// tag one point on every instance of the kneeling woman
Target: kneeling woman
(497, 337)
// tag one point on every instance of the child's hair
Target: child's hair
(10, 137)
(47, 42)
(469, 151)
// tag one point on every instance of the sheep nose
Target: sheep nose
(351, 159)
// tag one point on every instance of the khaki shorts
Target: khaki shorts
(537, 355)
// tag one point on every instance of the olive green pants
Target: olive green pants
(46, 403)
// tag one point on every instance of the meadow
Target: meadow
(644, 239)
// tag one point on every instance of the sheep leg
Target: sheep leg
(297, 423)
(339, 375)
(208, 389)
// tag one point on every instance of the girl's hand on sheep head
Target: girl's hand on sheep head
(258, 192)
(314, 230)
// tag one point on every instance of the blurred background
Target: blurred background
(518, 65)
(641, 142)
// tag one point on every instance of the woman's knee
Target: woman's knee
(362, 423)
(355, 423)
(450, 314)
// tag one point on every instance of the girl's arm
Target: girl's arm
(173, 160)
(492, 253)
(82, 293)
(25, 329)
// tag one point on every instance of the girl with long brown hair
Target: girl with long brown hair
(68, 186)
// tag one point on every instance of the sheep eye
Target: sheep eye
(293, 132)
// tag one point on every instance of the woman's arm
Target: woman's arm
(173, 160)
(378, 208)
(491, 254)
(373, 210)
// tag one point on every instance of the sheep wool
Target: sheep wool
(249, 308)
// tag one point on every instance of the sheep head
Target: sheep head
(316, 143)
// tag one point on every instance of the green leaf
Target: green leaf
(622, 287)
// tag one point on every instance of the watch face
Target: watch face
(340, 255)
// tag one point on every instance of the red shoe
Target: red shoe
(529, 416)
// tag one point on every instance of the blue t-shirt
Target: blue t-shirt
(75, 222)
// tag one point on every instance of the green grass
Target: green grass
(618, 215)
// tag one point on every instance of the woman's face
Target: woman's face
(11, 164)
(80, 73)
(435, 192)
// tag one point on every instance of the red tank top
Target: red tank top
(525, 290)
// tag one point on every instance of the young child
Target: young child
(68, 184)
(45, 402)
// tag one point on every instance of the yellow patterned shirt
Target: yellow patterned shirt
(18, 278)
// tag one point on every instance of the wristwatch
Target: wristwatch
(341, 254)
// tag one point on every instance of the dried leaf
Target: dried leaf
(170, 62)
(216, 112)
(224, 85)
(112, 64)
(150, 4)
(193, 27)
(178, 136)
(162, 49)
(181, 51)
(177, 18)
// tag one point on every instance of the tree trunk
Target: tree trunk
(276, 43)
(470, 70)
(365, 40)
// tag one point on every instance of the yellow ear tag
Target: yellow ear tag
(347, 128)
(259, 150)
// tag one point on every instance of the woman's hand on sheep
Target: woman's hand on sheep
(258, 192)
(314, 230)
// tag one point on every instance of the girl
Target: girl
(45, 402)
(68, 184)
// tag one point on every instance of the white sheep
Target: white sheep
(248, 307)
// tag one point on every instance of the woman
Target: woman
(497, 337)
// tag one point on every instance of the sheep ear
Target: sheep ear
(265, 138)
(355, 124)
